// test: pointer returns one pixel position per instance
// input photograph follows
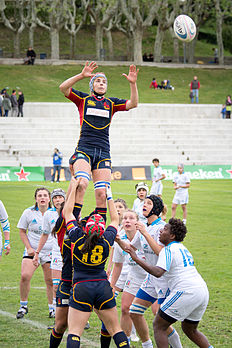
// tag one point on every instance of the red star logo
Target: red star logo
(230, 172)
(22, 175)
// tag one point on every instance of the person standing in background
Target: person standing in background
(194, 87)
(14, 104)
(20, 103)
(6, 104)
(228, 106)
(158, 175)
(57, 160)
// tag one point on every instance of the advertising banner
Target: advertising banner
(199, 172)
(21, 173)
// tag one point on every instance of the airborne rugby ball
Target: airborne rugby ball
(184, 28)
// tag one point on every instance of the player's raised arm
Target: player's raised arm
(132, 78)
(86, 72)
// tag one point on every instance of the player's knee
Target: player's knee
(125, 309)
(25, 277)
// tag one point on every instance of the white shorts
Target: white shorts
(132, 285)
(186, 305)
(56, 262)
(149, 287)
(181, 198)
(0, 243)
(44, 256)
(156, 189)
(121, 281)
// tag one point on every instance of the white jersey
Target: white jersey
(121, 256)
(140, 242)
(157, 187)
(138, 208)
(32, 221)
(4, 222)
(178, 263)
(49, 222)
(181, 179)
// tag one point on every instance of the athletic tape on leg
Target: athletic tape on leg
(81, 174)
(137, 309)
(101, 184)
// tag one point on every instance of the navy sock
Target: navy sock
(55, 339)
(121, 340)
(73, 341)
(105, 337)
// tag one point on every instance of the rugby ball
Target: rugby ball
(184, 28)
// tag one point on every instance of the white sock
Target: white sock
(54, 303)
(174, 339)
(129, 339)
(184, 221)
(133, 331)
(50, 306)
(147, 344)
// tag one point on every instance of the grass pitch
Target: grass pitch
(208, 239)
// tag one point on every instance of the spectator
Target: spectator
(194, 87)
(153, 84)
(6, 103)
(14, 104)
(1, 107)
(228, 106)
(31, 56)
(57, 160)
(20, 103)
(150, 57)
(215, 55)
(223, 111)
(145, 58)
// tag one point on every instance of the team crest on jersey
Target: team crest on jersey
(91, 103)
(106, 106)
(34, 221)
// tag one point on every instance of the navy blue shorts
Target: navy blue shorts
(96, 158)
(88, 294)
(63, 294)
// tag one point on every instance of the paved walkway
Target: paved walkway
(19, 61)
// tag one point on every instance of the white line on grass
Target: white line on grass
(17, 287)
(38, 325)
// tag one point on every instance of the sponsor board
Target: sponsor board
(21, 173)
(199, 172)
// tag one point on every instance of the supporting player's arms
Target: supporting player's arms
(154, 270)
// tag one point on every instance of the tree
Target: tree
(223, 10)
(14, 19)
(140, 14)
(101, 12)
(52, 15)
(76, 16)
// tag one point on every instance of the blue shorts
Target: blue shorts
(88, 294)
(63, 294)
(96, 158)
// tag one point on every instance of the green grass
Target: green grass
(40, 83)
(208, 239)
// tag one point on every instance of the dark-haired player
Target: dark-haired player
(92, 154)
(91, 289)
(189, 295)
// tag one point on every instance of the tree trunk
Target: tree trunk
(219, 23)
(110, 44)
(16, 53)
(54, 33)
(99, 42)
(137, 40)
(176, 55)
(158, 44)
(31, 35)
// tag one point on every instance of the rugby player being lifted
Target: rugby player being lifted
(92, 154)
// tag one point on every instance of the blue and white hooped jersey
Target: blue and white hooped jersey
(181, 273)
(138, 208)
(140, 242)
(32, 221)
(49, 221)
(4, 222)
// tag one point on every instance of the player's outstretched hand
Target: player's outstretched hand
(89, 68)
(141, 227)
(133, 73)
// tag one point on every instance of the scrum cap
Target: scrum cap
(158, 205)
(58, 192)
(142, 185)
(95, 224)
(91, 82)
